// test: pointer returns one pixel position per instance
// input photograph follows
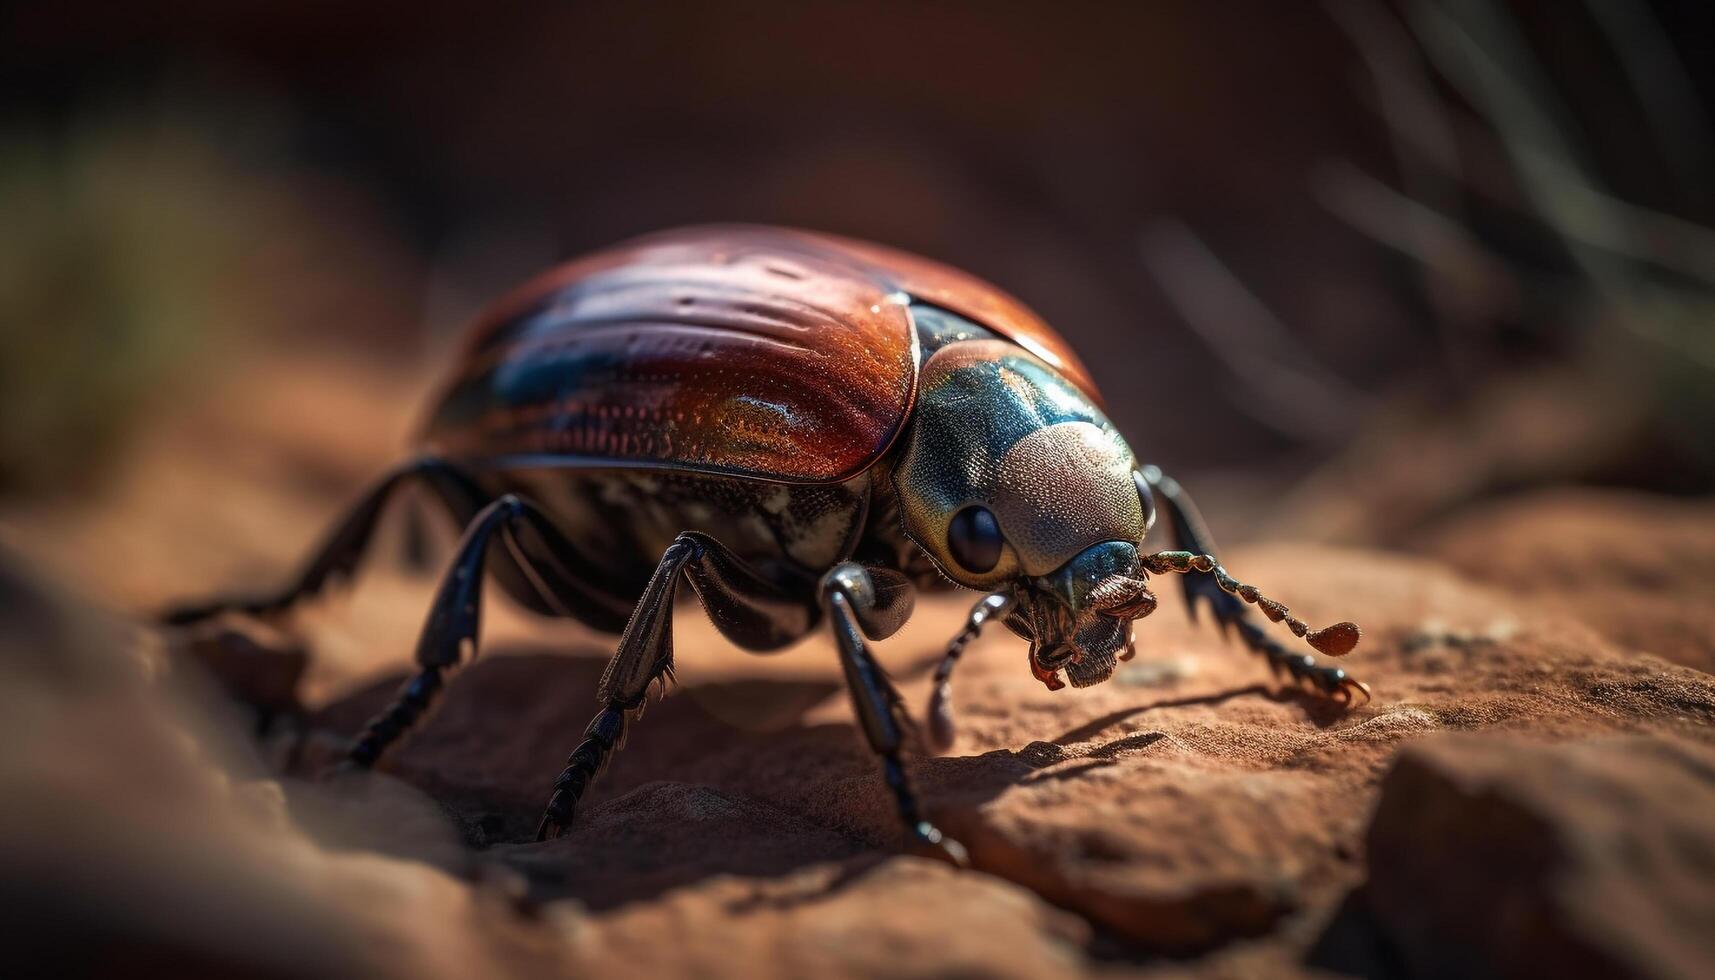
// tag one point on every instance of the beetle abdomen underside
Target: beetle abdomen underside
(627, 518)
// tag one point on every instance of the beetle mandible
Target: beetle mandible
(805, 429)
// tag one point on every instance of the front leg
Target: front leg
(876, 603)
(1190, 534)
(995, 605)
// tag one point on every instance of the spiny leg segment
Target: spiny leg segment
(1191, 534)
(747, 607)
(1335, 641)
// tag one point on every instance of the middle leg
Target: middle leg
(875, 603)
(749, 609)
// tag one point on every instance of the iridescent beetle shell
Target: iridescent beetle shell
(731, 358)
(801, 428)
(765, 352)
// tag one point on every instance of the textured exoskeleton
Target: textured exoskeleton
(805, 430)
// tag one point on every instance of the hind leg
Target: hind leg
(455, 618)
(1191, 535)
(240, 662)
(345, 545)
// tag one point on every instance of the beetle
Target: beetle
(806, 429)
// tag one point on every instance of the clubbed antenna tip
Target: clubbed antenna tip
(1336, 640)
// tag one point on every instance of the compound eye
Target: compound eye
(974, 539)
(1145, 497)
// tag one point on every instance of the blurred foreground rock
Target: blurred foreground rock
(1188, 809)
(1497, 857)
(139, 837)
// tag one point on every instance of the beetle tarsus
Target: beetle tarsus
(409, 705)
(927, 840)
(605, 734)
(1302, 668)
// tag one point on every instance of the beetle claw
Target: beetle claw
(1351, 687)
(928, 841)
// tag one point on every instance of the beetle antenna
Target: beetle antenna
(1335, 641)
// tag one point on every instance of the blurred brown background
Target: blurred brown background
(1433, 276)
(1349, 265)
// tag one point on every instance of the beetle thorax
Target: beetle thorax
(996, 429)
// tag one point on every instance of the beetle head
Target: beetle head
(1012, 480)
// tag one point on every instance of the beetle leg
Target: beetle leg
(455, 618)
(941, 729)
(858, 603)
(645, 653)
(344, 547)
(746, 607)
(1192, 535)
(452, 626)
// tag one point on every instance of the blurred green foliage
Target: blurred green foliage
(117, 243)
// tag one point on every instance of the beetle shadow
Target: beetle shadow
(723, 777)
(1321, 712)
(966, 782)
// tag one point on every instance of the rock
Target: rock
(136, 832)
(255, 664)
(1178, 815)
(663, 835)
(1639, 568)
(890, 917)
(1174, 865)
(1217, 808)
(1499, 857)
(1191, 807)
(139, 836)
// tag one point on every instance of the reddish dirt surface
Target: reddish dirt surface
(1637, 568)
(1189, 815)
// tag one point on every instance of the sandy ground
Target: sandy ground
(1528, 791)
